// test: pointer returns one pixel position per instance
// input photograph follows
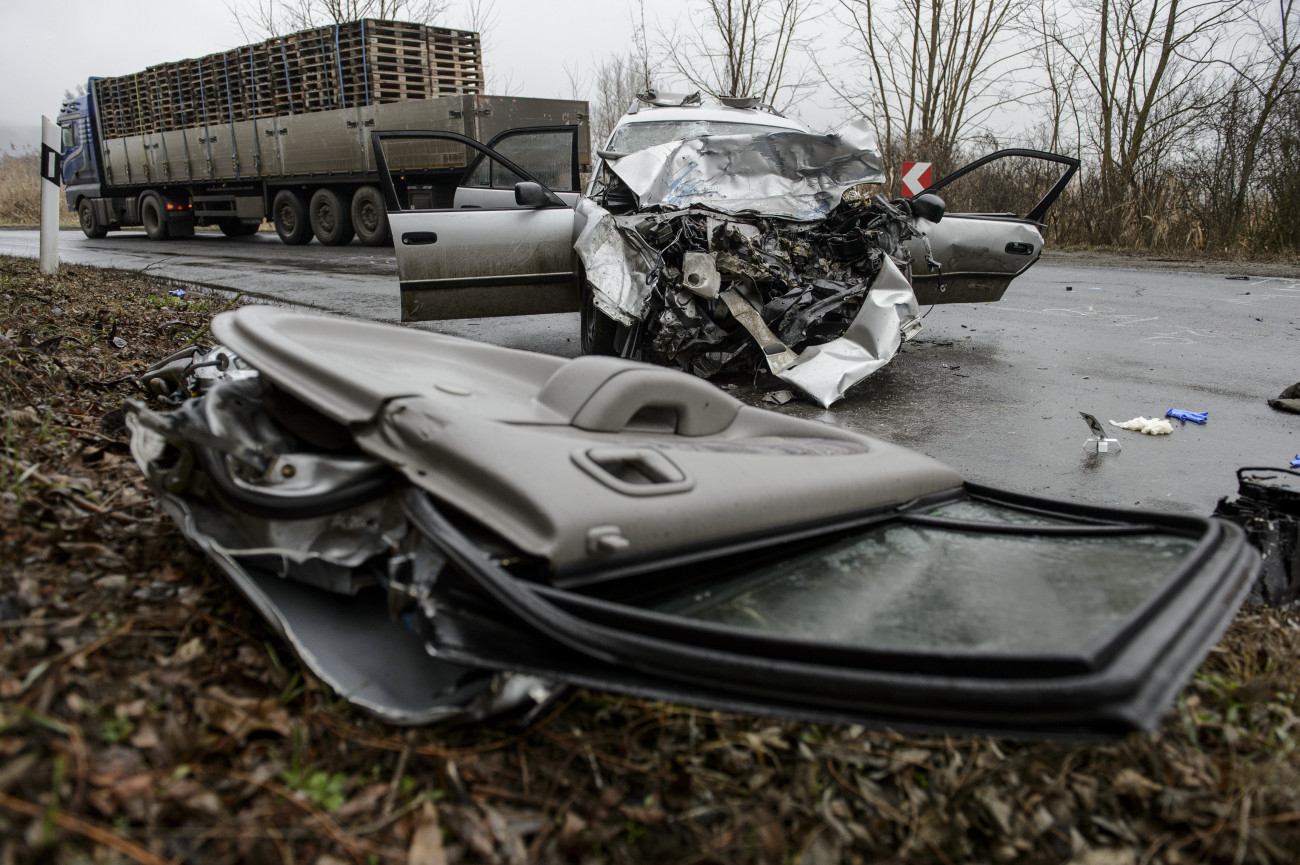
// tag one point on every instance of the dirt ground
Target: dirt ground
(147, 715)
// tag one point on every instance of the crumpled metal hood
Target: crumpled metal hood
(795, 175)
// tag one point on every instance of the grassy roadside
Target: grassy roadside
(147, 715)
(20, 193)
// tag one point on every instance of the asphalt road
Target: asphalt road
(994, 390)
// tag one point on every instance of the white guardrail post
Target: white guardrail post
(50, 158)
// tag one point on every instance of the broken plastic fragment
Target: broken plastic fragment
(1295, 463)
(177, 292)
(1099, 442)
(1152, 426)
(1193, 416)
(779, 397)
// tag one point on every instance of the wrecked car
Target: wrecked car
(708, 238)
(447, 529)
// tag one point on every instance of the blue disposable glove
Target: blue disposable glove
(1295, 463)
(1193, 416)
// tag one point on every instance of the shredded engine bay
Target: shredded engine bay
(735, 252)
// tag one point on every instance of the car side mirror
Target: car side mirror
(929, 206)
(530, 194)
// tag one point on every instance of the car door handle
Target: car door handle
(415, 238)
(1020, 248)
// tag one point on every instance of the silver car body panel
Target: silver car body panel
(793, 175)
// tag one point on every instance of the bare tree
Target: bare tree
(743, 48)
(1271, 76)
(932, 71)
(616, 82)
(262, 19)
(1147, 69)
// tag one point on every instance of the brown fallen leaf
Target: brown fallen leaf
(426, 840)
(1130, 782)
(188, 652)
(239, 716)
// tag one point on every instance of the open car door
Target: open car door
(604, 522)
(979, 253)
(498, 239)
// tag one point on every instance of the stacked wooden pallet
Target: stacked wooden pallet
(339, 66)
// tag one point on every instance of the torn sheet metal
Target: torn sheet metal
(795, 175)
(325, 573)
(617, 261)
(822, 304)
(888, 317)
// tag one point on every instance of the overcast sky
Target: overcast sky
(50, 47)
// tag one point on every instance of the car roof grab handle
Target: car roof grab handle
(699, 408)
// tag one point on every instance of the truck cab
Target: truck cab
(81, 172)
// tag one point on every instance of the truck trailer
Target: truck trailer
(280, 131)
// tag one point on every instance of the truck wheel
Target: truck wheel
(89, 221)
(154, 216)
(234, 227)
(599, 331)
(369, 217)
(331, 222)
(290, 218)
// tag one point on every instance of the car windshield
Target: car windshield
(639, 136)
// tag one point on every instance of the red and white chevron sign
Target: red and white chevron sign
(916, 177)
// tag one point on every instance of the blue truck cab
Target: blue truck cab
(81, 165)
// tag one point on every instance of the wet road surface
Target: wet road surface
(994, 390)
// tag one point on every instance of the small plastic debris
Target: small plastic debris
(1151, 426)
(1099, 443)
(1295, 463)
(119, 342)
(779, 397)
(1069, 288)
(177, 292)
(1183, 415)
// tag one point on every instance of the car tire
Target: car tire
(89, 221)
(599, 331)
(369, 216)
(331, 222)
(234, 227)
(289, 215)
(153, 215)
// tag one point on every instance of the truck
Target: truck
(280, 131)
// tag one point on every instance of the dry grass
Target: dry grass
(20, 192)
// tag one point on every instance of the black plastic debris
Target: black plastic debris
(1268, 508)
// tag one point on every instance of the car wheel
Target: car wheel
(89, 221)
(599, 331)
(369, 217)
(154, 216)
(235, 227)
(331, 222)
